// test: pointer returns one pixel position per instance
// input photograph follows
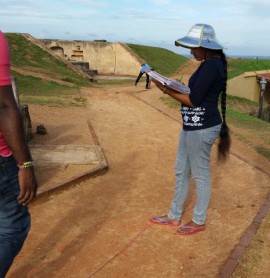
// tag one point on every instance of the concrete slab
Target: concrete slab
(58, 166)
(51, 155)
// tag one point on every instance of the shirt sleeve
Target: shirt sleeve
(5, 78)
(202, 82)
(145, 67)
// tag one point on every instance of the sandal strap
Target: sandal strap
(162, 220)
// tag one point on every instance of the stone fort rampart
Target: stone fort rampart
(105, 57)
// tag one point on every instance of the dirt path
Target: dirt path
(99, 227)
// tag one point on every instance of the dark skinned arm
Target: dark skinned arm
(183, 98)
(12, 128)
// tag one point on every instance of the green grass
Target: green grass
(238, 100)
(162, 60)
(33, 90)
(263, 151)
(26, 54)
(34, 86)
(114, 82)
(246, 121)
(239, 66)
(168, 63)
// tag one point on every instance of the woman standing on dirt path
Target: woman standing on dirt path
(202, 125)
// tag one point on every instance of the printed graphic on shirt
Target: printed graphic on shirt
(193, 117)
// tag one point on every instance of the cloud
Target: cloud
(237, 23)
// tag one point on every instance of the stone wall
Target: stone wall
(107, 58)
(246, 86)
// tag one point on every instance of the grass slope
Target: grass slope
(162, 60)
(29, 57)
(168, 63)
(239, 66)
(25, 54)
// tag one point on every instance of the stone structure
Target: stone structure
(105, 57)
(54, 54)
(247, 86)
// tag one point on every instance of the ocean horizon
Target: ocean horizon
(248, 57)
(238, 56)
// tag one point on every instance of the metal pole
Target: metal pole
(263, 83)
(261, 105)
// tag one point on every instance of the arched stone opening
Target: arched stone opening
(58, 50)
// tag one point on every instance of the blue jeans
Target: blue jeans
(193, 157)
(14, 218)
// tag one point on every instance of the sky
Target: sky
(241, 26)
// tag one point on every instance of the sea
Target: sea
(248, 57)
(238, 56)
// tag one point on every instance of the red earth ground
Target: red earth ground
(99, 227)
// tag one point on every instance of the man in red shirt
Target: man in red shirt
(18, 183)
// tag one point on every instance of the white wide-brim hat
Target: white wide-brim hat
(200, 35)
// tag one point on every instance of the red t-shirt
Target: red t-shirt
(5, 79)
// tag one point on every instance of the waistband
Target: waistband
(5, 160)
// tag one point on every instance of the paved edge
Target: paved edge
(99, 170)
(233, 259)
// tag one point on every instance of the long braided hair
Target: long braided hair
(224, 140)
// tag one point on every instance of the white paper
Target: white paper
(170, 83)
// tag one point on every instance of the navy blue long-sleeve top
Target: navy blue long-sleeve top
(205, 86)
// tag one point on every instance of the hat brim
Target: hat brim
(189, 42)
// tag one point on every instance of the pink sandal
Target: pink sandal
(191, 230)
(159, 220)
